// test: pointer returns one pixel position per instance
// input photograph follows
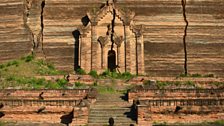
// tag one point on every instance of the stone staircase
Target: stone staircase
(111, 105)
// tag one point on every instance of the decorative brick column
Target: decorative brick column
(140, 54)
(95, 57)
(85, 53)
(128, 57)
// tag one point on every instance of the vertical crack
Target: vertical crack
(42, 27)
(112, 31)
(184, 3)
(27, 6)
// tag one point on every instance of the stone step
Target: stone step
(109, 106)
(109, 109)
(107, 124)
(105, 120)
(110, 99)
(107, 102)
(107, 117)
(102, 115)
(111, 113)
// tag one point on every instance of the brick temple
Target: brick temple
(109, 39)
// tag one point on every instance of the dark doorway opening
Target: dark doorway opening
(76, 35)
(112, 60)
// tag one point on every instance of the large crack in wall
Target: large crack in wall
(42, 27)
(35, 24)
(27, 5)
(112, 30)
(184, 3)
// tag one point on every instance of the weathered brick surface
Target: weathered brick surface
(14, 37)
(163, 34)
(154, 94)
(146, 118)
(23, 105)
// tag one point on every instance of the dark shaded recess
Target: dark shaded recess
(76, 35)
(42, 11)
(178, 108)
(124, 97)
(111, 121)
(132, 114)
(111, 60)
(67, 119)
(1, 114)
(85, 20)
(1, 105)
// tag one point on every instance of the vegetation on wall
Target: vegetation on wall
(21, 73)
(106, 74)
(197, 75)
(116, 75)
(167, 84)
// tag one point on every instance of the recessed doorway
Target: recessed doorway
(112, 60)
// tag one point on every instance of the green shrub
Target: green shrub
(93, 73)
(163, 84)
(10, 78)
(177, 83)
(218, 123)
(95, 84)
(183, 75)
(29, 58)
(80, 71)
(115, 75)
(50, 66)
(196, 75)
(127, 75)
(62, 82)
(218, 84)
(47, 69)
(40, 81)
(40, 62)
(2, 66)
(78, 84)
(106, 73)
(209, 75)
(12, 63)
(190, 83)
(51, 85)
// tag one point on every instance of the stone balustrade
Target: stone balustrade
(151, 94)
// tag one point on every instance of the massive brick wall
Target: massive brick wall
(14, 37)
(163, 37)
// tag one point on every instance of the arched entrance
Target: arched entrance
(111, 60)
